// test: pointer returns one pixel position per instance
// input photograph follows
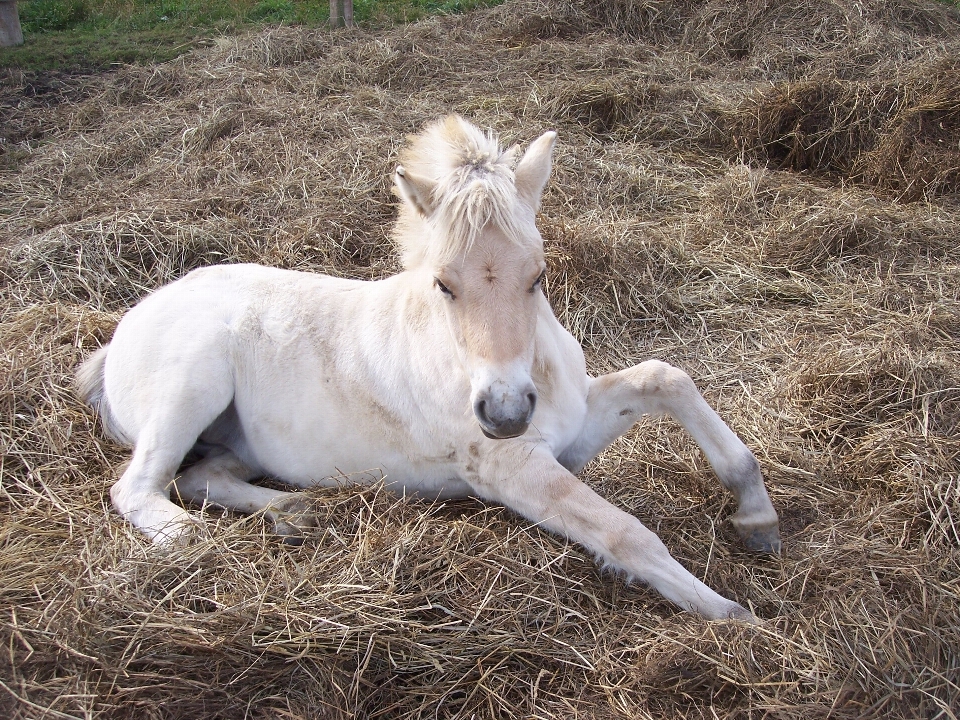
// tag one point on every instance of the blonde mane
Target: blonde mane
(473, 186)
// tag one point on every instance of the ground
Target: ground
(766, 197)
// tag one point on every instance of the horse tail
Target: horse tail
(90, 385)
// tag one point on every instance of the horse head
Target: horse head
(468, 222)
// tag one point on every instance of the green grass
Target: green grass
(86, 35)
(90, 35)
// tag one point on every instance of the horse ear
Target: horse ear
(415, 190)
(533, 171)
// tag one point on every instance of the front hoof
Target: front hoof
(291, 518)
(727, 611)
(764, 540)
(760, 532)
(739, 613)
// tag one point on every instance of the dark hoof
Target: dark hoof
(765, 541)
(291, 518)
(740, 614)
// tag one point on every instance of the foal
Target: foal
(453, 377)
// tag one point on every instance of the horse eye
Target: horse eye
(443, 288)
(538, 281)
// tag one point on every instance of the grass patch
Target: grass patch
(79, 35)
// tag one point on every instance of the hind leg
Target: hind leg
(142, 494)
(163, 399)
(222, 479)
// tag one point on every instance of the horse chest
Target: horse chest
(559, 374)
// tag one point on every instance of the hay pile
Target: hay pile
(767, 198)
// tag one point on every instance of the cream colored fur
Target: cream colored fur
(451, 378)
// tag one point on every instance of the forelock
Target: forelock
(473, 187)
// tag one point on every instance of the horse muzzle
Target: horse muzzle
(505, 414)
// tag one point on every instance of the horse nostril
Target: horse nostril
(507, 417)
(480, 409)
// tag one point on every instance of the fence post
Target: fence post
(336, 16)
(10, 32)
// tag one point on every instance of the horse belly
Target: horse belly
(326, 431)
(349, 457)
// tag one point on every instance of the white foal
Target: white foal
(453, 377)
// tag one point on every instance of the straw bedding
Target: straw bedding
(765, 197)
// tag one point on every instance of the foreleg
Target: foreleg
(616, 401)
(531, 482)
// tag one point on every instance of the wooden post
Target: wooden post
(336, 15)
(10, 32)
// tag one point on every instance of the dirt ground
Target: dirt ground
(766, 194)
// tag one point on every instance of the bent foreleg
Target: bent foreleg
(616, 401)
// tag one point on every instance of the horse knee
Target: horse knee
(663, 385)
(191, 487)
(675, 381)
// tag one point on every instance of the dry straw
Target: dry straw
(763, 195)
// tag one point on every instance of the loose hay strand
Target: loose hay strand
(768, 202)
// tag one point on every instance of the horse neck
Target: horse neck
(412, 291)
